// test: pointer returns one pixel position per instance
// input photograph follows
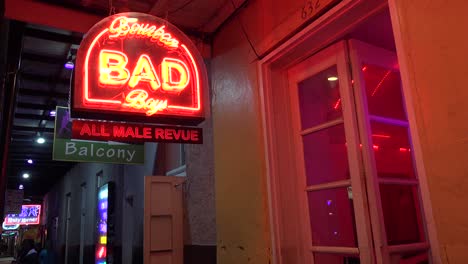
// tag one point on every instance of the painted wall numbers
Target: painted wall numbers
(310, 7)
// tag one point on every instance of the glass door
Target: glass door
(359, 184)
(392, 179)
(327, 144)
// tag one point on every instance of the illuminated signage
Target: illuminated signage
(137, 67)
(104, 224)
(124, 132)
(30, 215)
(9, 227)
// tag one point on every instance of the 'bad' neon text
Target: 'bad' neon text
(113, 72)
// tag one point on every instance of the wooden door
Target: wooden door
(163, 220)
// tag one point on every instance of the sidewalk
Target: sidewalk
(5, 260)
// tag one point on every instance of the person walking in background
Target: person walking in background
(47, 256)
(28, 253)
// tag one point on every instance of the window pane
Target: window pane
(392, 150)
(319, 98)
(412, 258)
(325, 155)
(332, 218)
(402, 214)
(383, 89)
(322, 258)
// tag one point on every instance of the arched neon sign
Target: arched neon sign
(136, 67)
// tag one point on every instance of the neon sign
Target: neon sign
(104, 223)
(30, 215)
(125, 132)
(9, 227)
(136, 67)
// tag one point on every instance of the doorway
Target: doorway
(339, 147)
(359, 183)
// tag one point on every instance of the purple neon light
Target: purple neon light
(69, 65)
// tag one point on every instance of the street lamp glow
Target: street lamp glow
(40, 140)
(26, 175)
(30, 161)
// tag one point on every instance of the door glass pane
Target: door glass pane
(332, 218)
(322, 258)
(411, 258)
(325, 155)
(402, 214)
(319, 98)
(383, 89)
(392, 151)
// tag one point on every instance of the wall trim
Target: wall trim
(418, 156)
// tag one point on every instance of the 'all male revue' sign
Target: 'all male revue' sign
(135, 67)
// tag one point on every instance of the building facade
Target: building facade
(256, 55)
(336, 134)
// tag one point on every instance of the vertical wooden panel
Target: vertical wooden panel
(163, 234)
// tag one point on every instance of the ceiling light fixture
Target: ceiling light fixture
(52, 113)
(40, 140)
(69, 64)
(332, 78)
(26, 175)
(21, 187)
(30, 161)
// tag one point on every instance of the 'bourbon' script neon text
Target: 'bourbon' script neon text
(123, 27)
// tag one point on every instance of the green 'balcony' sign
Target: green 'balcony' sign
(66, 149)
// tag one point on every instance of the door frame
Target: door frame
(272, 73)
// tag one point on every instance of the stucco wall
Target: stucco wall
(241, 205)
(243, 231)
(433, 57)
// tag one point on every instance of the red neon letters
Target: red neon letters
(123, 27)
(113, 72)
(104, 131)
(134, 66)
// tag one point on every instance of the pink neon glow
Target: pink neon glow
(405, 150)
(337, 104)
(30, 215)
(375, 147)
(364, 68)
(381, 82)
(381, 136)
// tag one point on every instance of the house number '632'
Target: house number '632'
(309, 8)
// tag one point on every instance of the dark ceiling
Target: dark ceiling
(43, 82)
